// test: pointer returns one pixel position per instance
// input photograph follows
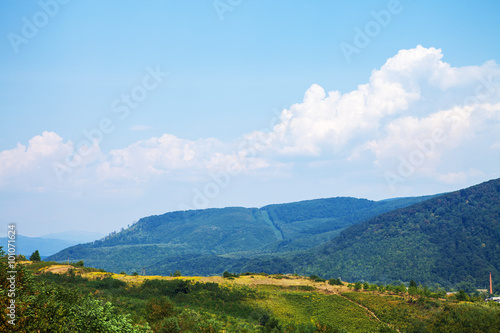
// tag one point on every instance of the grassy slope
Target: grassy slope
(281, 296)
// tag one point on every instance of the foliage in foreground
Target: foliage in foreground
(44, 307)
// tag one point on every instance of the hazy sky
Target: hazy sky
(116, 110)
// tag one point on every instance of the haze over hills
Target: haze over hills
(50, 243)
(45, 246)
(75, 236)
(171, 241)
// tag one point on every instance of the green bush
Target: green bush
(335, 282)
(159, 308)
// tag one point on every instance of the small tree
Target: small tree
(35, 256)
(462, 296)
(177, 273)
(413, 289)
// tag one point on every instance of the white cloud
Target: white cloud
(413, 98)
(167, 154)
(32, 160)
(414, 106)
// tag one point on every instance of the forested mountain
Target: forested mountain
(193, 241)
(450, 239)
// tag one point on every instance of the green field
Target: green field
(62, 298)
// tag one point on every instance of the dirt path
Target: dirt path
(369, 311)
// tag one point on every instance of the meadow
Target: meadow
(53, 294)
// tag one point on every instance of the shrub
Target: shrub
(228, 275)
(159, 308)
(316, 278)
(335, 282)
(107, 283)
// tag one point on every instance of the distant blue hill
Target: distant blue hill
(49, 244)
(75, 236)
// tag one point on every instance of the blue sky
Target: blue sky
(261, 105)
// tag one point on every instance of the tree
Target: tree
(413, 289)
(177, 273)
(35, 256)
(462, 296)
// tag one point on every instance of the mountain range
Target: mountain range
(449, 239)
(168, 242)
(50, 243)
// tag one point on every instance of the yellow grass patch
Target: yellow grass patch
(56, 269)
(247, 280)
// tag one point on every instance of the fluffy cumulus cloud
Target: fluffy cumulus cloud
(415, 110)
(35, 167)
(413, 118)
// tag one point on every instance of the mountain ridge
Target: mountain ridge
(449, 239)
(236, 231)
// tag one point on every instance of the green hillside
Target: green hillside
(211, 241)
(73, 298)
(450, 239)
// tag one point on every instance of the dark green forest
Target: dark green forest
(451, 239)
(211, 241)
